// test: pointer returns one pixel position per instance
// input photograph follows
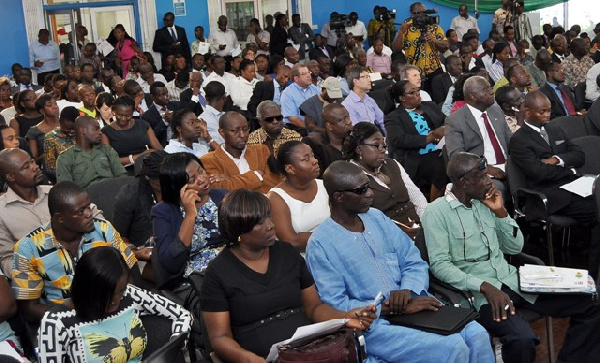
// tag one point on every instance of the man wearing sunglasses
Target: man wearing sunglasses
(359, 252)
(271, 131)
(467, 234)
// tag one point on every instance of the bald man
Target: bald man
(548, 158)
(467, 233)
(358, 252)
(88, 161)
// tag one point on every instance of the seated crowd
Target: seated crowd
(282, 183)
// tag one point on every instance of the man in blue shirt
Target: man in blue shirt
(292, 97)
(358, 252)
(44, 56)
(360, 106)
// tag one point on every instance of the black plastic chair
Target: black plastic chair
(532, 205)
(573, 126)
(590, 145)
(104, 194)
(172, 352)
(596, 195)
(580, 101)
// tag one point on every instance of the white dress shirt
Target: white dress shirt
(227, 37)
(242, 163)
(226, 80)
(358, 30)
(264, 36)
(241, 91)
(488, 150)
(48, 53)
(145, 86)
(461, 25)
(211, 115)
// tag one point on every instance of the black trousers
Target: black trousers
(41, 77)
(582, 340)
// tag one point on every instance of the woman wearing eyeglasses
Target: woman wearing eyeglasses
(413, 132)
(394, 193)
(300, 202)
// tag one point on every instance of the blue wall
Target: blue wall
(13, 41)
(321, 10)
(196, 13)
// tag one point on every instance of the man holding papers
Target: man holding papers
(467, 233)
(548, 158)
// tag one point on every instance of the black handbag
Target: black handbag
(344, 346)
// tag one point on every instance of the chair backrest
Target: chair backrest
(580, 95)
(420, 244)
(515, 177)
(171, 352)
(590, 146)
(572, 126)
(596, 194)
(104, 194)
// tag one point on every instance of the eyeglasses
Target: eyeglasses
(481, 166)
(239, 130)
(270, 119)
(365, 76)
(358, 191)
(378, 146)
(305, 73)
(413, 92)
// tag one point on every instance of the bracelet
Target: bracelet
(131, 159)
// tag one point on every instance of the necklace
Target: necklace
(377, 174)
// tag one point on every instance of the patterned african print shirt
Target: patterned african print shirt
(56, 142)
(43, 269)
(576, 69)
(119, 337)
(259, 137)
(423, 54)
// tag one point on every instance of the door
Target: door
(239, 14)
(104, 20)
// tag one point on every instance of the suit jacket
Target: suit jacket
(316, 53)
(262, 91)
(185, 101)
(440, 85)
(528, 148)
(152, 116)
(555, 58)
(217, 162)
(463, 134)
(298, 36)
(16, 88)
(592, 119)
(383, 99)
(557, 108)
(163, 42)
(404, 139)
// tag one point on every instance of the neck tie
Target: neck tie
(497, 149)
(569, 106)
(202, 100)
(173, 35)
(544, 135)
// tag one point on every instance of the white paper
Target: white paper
(104, 47)
(375, 76)
(501, 167)
(325, 327)
(581, 186)
(441, 143)
(236, 51)
(553, 278)
(203, 48)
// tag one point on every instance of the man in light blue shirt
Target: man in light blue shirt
(293, 96)
(215, 96)
(360, 106)
(358, 252)
(44, 56)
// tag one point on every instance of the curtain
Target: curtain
(490, 6)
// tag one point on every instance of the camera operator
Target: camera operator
(382, 24)
(334, 31)
(503, 16)
(423, 41)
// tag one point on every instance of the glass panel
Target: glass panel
(61, 30)
(239, 15)
(272, 7)
(105, 19)
(57, 2)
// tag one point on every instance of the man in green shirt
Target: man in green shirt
(88, 161)
(467, 233)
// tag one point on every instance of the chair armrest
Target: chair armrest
(531, 204)
(521, 259)
(450, 294)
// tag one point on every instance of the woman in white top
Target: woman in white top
(300, 203)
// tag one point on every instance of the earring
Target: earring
(360, 156)
(239, 239)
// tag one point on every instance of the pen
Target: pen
(378, 299)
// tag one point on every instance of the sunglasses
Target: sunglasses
(270, 119)
(358, 191)
(481, 166)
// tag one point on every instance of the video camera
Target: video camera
(386, 14)
(338, 21)
(425, 18)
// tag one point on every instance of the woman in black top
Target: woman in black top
(129, 137)
(258, 291)
(27, 114)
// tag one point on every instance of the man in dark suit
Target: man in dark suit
(479, 127)
(267, 90)
(320, 49)
(547, 157)
(171, 39)
(559, 48)
(193, 97)
(160, 113)
(561, 97)
(24, 82)
(442, 82)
